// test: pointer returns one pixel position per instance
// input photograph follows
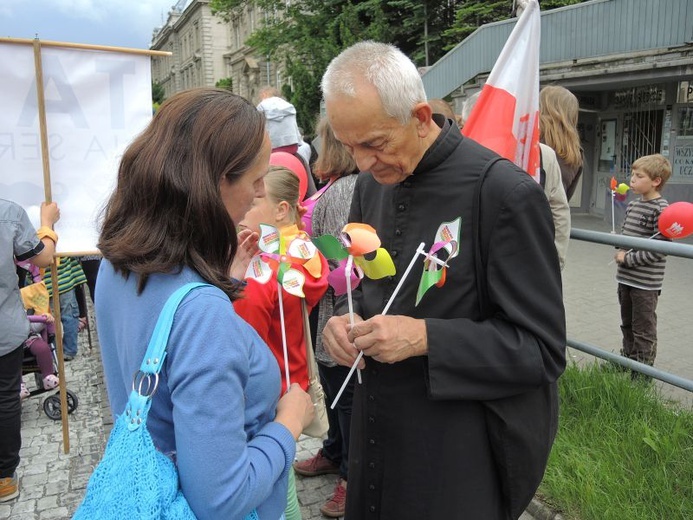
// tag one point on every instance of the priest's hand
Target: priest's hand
(390, 339)
(336, 342)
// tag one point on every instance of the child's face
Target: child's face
(262, 211)
(642, 184)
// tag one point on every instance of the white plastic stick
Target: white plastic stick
(419, 251)
(657, 233)
(284, 347)
(613, 219)
(350, 300)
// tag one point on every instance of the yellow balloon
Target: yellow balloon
(622, 188)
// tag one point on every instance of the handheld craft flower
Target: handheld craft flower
(356, 241)
(283, 250)
(617, 191)
(446, 244)
(280, 251)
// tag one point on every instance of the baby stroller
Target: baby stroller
(35, 299)
(30, 365)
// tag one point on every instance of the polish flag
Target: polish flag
(505, 118)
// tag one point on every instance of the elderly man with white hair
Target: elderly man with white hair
(458, 406)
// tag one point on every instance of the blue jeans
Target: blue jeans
(69, 317)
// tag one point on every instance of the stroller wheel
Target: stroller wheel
(52, 405)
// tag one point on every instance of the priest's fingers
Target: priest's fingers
(389, 339)
(336, 343)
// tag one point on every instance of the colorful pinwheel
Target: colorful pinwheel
(356, 241)
(281, 250)
(447, 240)
(617, 190)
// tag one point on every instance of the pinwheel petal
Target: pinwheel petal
(292, 282)
(362, 239)
(337, 279)
(330, 247)
(380, 267)
(258, 270)
(269, 239)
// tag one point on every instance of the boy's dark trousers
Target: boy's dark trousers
(10, 411)
(638, 323)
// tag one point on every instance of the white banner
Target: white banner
(96, 103)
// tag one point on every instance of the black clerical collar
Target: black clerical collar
(442, 147)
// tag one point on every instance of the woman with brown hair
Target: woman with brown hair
(558, 113)
(182, 185)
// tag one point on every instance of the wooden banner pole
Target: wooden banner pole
(43, 132)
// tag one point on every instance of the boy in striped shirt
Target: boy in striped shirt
(640, 273)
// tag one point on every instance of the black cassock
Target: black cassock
(419, 440)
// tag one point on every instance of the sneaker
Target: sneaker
(334, 507)
(68, 357)
(318, 465)
(9, 488)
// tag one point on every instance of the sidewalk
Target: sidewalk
(52, 483)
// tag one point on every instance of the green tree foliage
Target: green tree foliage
(472, 14)
(158, 93)
(304, 35)
(225, 83)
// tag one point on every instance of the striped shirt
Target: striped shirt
(643, 269)
(70, 275)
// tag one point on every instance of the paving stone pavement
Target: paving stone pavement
(52, 482)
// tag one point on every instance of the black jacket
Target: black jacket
(419, 440)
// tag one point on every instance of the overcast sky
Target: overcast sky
(121, 23)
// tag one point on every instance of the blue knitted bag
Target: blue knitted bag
(134, 479)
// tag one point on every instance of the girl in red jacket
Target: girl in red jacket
(260, 306)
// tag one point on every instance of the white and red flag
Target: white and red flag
(505, 118)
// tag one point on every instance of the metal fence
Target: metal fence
(658, 246)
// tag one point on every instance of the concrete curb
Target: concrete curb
(541, 511)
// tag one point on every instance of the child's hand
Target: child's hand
(302, 210)
(620, 257)
(247, 248)
(49, 318)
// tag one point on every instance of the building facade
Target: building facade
(205, 49)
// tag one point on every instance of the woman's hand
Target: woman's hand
(247, 249)
(295, 410)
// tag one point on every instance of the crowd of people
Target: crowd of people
(207, 191)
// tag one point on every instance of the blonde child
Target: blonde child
(640, 273)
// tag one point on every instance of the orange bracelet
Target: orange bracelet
(46, 232)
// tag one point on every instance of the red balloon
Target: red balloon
(676, 220)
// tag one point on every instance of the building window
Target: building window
(642, 135)
(685, 127)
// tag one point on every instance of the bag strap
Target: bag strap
(315, 196)
(156, 351)
(310, 356)
(481, 287)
